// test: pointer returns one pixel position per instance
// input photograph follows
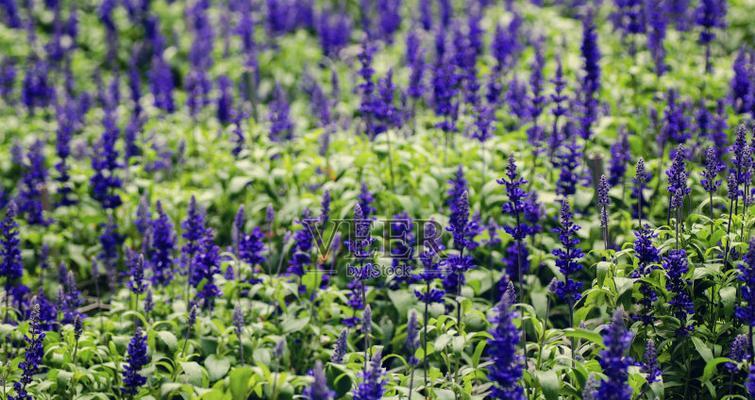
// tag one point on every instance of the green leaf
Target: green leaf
(217, 367)
(239, 382)
(550, 383)
(291, 324)
(193, 373)
(705, 352)
(168, 338)
(710, 367)
(590, 336)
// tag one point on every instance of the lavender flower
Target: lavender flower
(251, 247)
(7, 79)
(426, 14)
(677, 180)
(163, 245)
(34, 181)
(506, 368)
(417, 65)
(334, 31)
(238, 321)
(32, 357)
(341, 347)
(535, 134)
(603, 203)
(71, 298)
(614, 361)
(640, 180)
(365, 199)
(741, 85)
(656, 33)
(37, 90)
(136, 270)
(367, 88)
(506, 46)
(204, 266)
(650, 363)
(303, 241)
(558, 100)
(11, 266)
(713, 167)
(620, 157)
(224, 100)
(710, 14)
(318, 389)
(390, 18)
(143, 216)
(647, 255)
(567, 258)
(412, 338)
(568, 159)
(67, 123)
(281, 126)
(11, 13)
(675, 264)
(372, 386)
(160, 74)
(445, 88)
(739, 351)
(136, 359)
(149, 303)
(110, 240)
(193, 231)
(676, 124)
(746, 314)
(105, 182)
(591, 79)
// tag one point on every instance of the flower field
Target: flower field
(362, 199)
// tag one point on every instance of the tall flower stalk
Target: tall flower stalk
(568, 262)
(506, 368)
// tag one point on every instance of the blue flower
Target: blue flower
(741, 86)
(105, 181)
(640, 180)
(372, 386)
(614, 360)
(650, 363)
(568, 257)
(281, 126)
(506, 366)
(568, 159)
(11, 266)
(620, 157)
(591, 78)
(136, 270)
(739, 351)
(677, 179)
(225, 100)
(34, 181)
(656, 33)
(32, 357)
(163, 244)
(676, 124)
(675, 264)
(110, 240)
(136, 359)
(341, 347)
(746, 314)
(713, 167)
(204, 266)
(193, 228)
(318, 389)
